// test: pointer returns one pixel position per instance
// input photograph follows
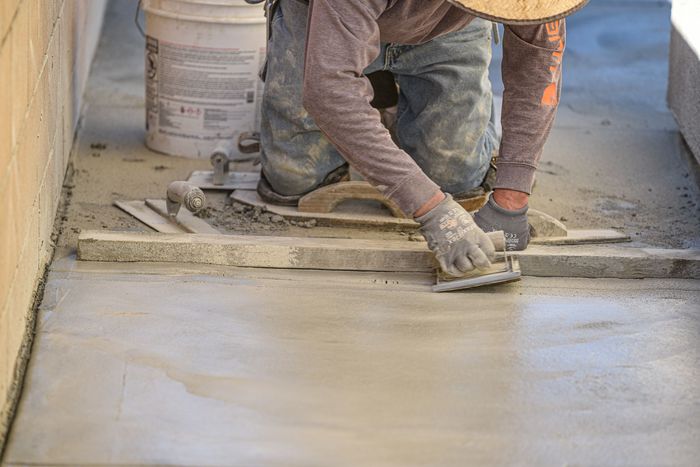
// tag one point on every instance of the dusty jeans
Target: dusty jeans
(444, 119)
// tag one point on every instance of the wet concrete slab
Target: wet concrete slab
(167, 364)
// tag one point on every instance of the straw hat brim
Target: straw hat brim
(521, 11)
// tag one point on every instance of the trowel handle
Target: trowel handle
(187, 195)
(498, 238)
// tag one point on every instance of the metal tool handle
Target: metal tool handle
(184, 194)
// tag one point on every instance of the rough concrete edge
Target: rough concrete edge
(691, 160)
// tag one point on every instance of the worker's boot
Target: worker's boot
(269, 195)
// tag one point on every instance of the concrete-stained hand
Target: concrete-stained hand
(513, 223)
(458, 243)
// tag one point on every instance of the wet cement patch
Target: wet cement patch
(257, 367)
(634, 181)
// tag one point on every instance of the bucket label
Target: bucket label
(200, 93)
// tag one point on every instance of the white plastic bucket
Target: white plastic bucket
(202, 63)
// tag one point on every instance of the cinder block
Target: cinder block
(35, 52)
(43, 31)
(19, 67)
(28, 158)
(22, 292)
(61, 159)
(47, 211)
(6, 360)
(41, 24)
(5, 378)
(7, 14)
(41, 105)
(52, 75)
(66, 81)
(5, 112)
(10, 242)
(69, 30)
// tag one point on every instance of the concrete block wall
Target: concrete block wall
(46, 47)
(684, 71)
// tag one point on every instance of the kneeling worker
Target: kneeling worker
(318, 114)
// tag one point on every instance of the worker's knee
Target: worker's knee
(289, 179)
(459, 175)
(460, 169)
(297, 165)
(296, 182)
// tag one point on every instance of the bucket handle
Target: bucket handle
(136, 19)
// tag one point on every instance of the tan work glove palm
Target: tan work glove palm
(458, 243)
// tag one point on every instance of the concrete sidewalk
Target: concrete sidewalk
(151, 364)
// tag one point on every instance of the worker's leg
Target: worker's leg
(445, 106)
(296, 157)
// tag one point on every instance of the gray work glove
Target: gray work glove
(513, 223)
(458, 243)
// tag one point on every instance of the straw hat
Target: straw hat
(521, 11)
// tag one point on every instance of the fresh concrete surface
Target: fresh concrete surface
(148, 364)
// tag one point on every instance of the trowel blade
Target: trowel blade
(510, 273)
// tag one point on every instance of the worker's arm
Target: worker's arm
(531, 69)
(342, 40)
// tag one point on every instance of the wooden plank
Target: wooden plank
(605, 261)
(583, 237)
(474, 203)
(204, 179)
(251, 198)
(327, 198)
(189, 222)
(252, 251)
(574, 237)
(609, 261)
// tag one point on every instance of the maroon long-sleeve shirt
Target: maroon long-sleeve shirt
(344, 37)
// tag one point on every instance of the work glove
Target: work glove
(458, 243)
(513, 223)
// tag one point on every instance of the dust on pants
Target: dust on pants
(445, 118)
